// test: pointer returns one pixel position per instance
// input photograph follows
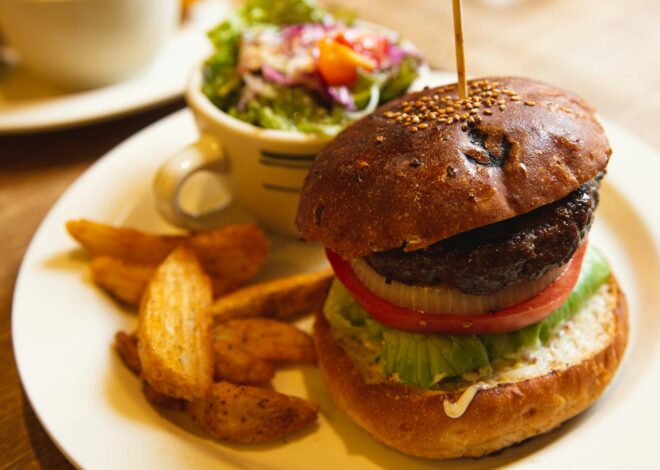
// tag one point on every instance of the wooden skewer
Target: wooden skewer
(460, 56)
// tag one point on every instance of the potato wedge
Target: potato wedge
(282, 298)
(125, 243)
(235, 253)
(174, 328)
(123, 280)
(159, 399)
(127, 281)
(127, 346)
(239, 413)
(232, 254)
(236, 365)
(267, 339)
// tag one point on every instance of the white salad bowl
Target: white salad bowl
(263, 170)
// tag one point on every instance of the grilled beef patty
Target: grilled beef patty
(487, 259)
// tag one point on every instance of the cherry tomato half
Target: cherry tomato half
(337, 63)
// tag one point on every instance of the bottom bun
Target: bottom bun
(413, 420)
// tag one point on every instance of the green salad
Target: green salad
(290, 65)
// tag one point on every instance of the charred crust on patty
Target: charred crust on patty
(487, 259)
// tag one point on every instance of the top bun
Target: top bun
(428, 165)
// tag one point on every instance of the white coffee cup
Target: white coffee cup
(87, 43)
(263, 169)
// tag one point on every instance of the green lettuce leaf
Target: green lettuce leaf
(423, 360)
(290, 108)
(406, 72)
(593, 274)
(222, 83)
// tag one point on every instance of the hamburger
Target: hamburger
(469, 310)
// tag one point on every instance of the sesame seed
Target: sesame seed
(380, 138)
(364, 164)
(445, 106)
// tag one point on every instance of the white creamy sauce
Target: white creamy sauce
(587, 333)
(460, 406)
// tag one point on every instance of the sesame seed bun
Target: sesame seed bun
(537, 400)
(425, 167)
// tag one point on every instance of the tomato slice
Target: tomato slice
(509, 319)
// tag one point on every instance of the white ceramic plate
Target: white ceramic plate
(93, 407)
(29, 104)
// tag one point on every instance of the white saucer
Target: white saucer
(29, 104)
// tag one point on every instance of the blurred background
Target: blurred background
(608, 51)
(605, 50)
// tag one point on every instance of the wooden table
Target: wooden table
(606, 50)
